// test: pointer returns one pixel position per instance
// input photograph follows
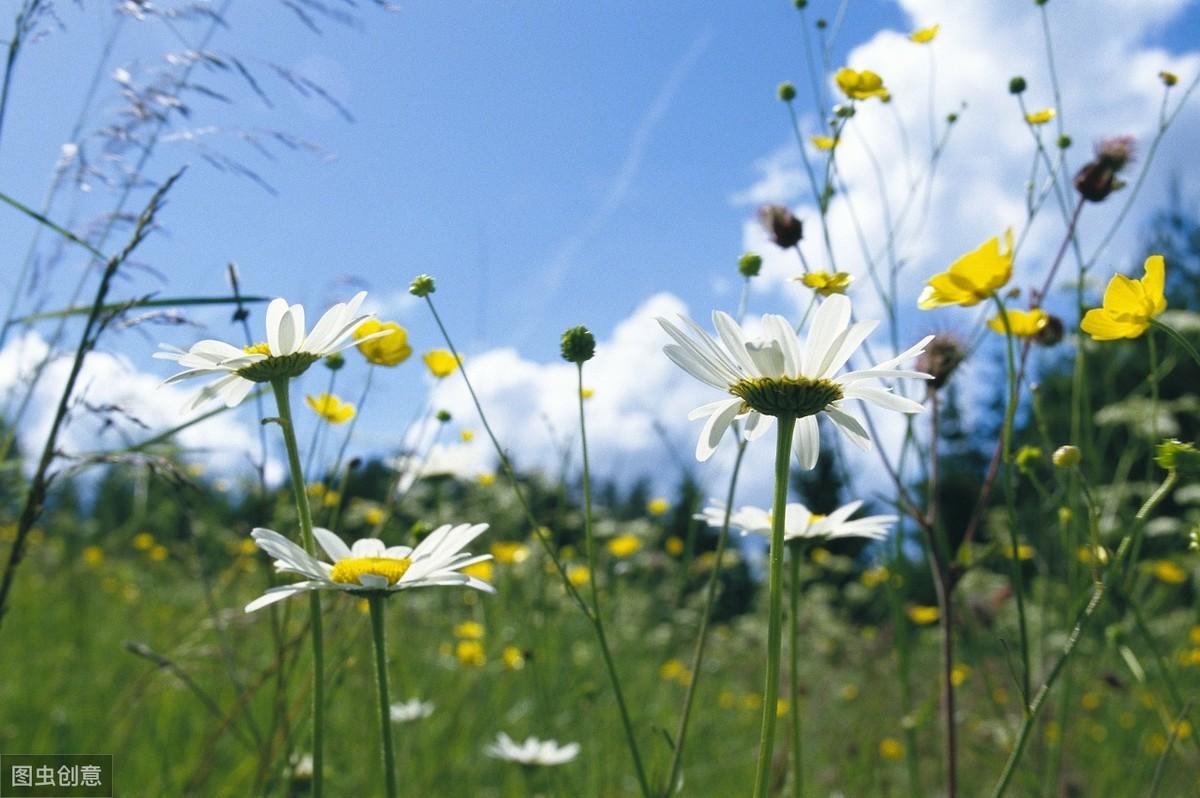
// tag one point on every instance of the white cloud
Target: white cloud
(107, 379)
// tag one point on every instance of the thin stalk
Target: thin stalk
(597, 615)
(939, 556)
(710, 600)
(1178, 338)
(299, 490)
(783, 450)
(378, 632)
(794, 672)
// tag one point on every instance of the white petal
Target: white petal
(735, 341)
(780, 330)
(275, 313)
(757, 425)
(828, 322)
(844, 347)
(368, 547)
(715, 428)
(806, 441)
(692, 364)
(884, 398)
(850, 426)
(334, 546)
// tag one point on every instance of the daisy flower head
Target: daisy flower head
(800, 523)
(287, 352)
(972, 278)
(369, 566)
(778, 375)
(408, 711)
(1129, 305)
(532, 752)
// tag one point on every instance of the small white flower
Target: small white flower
(287, 352)
(413, 709)
(533, 751)
(776, 375)
(800, 524)
(370, 566)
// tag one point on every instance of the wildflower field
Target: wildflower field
(877, 477)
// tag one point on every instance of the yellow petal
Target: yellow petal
(1124, 296)
(1105, 326)
(924, 35)
(1154, 283)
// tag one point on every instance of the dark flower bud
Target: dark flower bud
(443, 416)
(941, 358)
(822, 24)
(801, 4)
(1098, 178)
(787, 91)
(750, 264)
(335, 361)
(1051, 332)
(1064, 141)
(578, 345)
(1016, 85)
(785, 229)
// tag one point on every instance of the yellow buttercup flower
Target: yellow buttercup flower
(923, 615)
(624, 545)
(510, 552)
(823, 142)
(873, 577)
(1022, 323)
(587, 393)
(143, 541)
(1169, 572)
(959, 674)
(469, 630)
(860, 85)
(1129, 305)
(891, 748)
(1040, 117)
(373, 516)
(441, 363)
(486, 479)
(93, 556)
(925, 35)
(467, 435)
(513, 657)
(578, 574)
(331, 408)
(826, 283)
(972, 278)
(470, 652)
(386, 350)
(674, 546)
(658, 506)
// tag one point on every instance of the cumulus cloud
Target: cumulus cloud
(115, 404)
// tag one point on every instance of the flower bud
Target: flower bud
(335, 361)
(578, 345)
(1098, 178)
(1064, 141)
(822, 24)
(1175, 455)
(940, 359)
(1066, 456)
(801, 4)
(787, 91)
(785, 229)
(1169, 79)
(951, 118)
(750, 264)
(422, 285)
(1016, 85)
(444, 416)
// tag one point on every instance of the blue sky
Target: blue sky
(551, 163)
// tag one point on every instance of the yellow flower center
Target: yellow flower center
(787, 396)
(348, 571)
(258, 349)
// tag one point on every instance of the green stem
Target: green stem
(381, 678)
(597, 616)
(300, 491)
(794, 673)
(1153, 385)
(1178, 338)
(783, 449)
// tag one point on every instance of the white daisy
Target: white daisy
(287, 352)
(533, 751)
(776, 375)
(800, 524)
(370, 566)
(407, 711)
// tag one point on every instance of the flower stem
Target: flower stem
(299, 490)
(794, 672)
(597, 616)
(1178, 338)
(381, 678)
(783, 451)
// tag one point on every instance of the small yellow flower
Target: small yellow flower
(470, 653)
(316, 490)
(959, 674)
(578, 574)
(1194, 635)
(674, 546)
(624, 545)
(658, 506)
(1156, 744)
(922, 615)
(1169, 572)
(467, 435)
(826, 283)
(925, 35)
(726, 699)
(752, 701)
(386, 350)
(587, 393)
(486, 478)
(469, 630)
(860, 85)
(972, 278)
(820, 555)
(513, 658)
(364, 607)
(332, 499)
(823, 142)
(441, 363)
(158, 553)
(671, 670)
(782, 706)
(891, 749)
(247, 546)
(143, 541)
(93, 556)
(848, 692)
(873, 577)
(1022, 323)
(510, 552)
(480, 570)
(1169, 79)
(1040, 117)
(1182, 729)
(1090, 701)
(373, 516)
(1129, 305)
(330, 408)
(1024, 552)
